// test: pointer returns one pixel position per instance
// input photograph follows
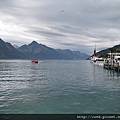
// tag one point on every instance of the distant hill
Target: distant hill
(7, 51)
(40, 51)
(68, 54)
(104, 53)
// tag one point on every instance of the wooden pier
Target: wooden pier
(112, 66)
(113, 63)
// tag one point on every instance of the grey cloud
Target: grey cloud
(46, 33)
(68, 44)
(81, 18)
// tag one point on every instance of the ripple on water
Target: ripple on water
(74, 87)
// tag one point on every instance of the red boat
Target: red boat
(34, 61)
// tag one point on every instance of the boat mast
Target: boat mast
(95, 51)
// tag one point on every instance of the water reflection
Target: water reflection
(105, 79)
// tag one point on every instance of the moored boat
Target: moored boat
(97, 60)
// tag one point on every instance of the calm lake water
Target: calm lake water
(57, 86)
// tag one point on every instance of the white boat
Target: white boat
(97, 60)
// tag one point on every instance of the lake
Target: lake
(58, 87)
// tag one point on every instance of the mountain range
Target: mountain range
(37, 51)
(7, 51)
(40, 51)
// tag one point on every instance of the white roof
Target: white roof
(116, 56)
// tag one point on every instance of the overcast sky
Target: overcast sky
(64, 24)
